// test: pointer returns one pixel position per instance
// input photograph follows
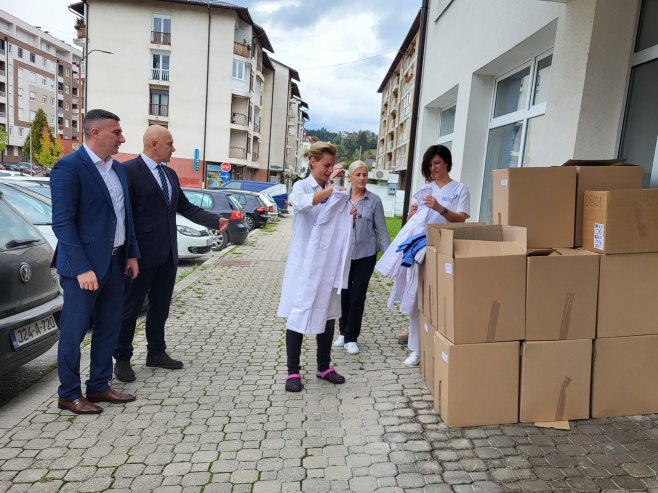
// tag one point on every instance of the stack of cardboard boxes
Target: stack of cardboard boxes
(489, 293)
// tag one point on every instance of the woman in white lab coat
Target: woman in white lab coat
(307, 198)
(448, 202)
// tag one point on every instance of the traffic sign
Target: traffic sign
(225, 167)
(224, 176)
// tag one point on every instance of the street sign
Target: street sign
(224, 176)
(196, 159)
(226, 167)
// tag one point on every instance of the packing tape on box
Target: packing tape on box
(493, 321)
(566, 315)
(561, 401)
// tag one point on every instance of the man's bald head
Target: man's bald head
(158, 144)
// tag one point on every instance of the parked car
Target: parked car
(272, 208)
(29, 168)
(37, 184)
(30, 301)
(36, 208)
(5, 173)
(256, 211)
(227, 207)
(194, 241)
(278, 191)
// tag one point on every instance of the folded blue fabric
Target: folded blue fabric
(410, 248)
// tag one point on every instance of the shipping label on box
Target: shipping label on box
(561, 295)
(542, 199)
(555, 380)
(476, 384)
(624, 376)
(621, 221)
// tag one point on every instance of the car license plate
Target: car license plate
(24, 335)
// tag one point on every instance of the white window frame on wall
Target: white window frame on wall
(528, 111)
(235, 73)
(443, 139)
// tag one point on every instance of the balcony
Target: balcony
(3, 114)
(242, 50)
(159, 109)
(237, 152)
(2, 73)
(257, 127)
(2, 94)
(239, 119)
(160, 74)
(160, 38)
(255, 156)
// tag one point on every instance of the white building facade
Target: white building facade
(536, 83)
(194, 66)
(37, 71)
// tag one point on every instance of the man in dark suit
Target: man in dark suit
(96, 250)
(156, 197)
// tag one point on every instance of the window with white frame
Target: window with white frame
(67, 72)
(33, 58)
(33, 95)
(20, 131)
(447, 126)
(52, 102)
(160, 66)
(516, 122)
(20, 52)
(161, 29)
(68, 106)
(239, 70)
(52, 120)
(33, 114)
(44, 99)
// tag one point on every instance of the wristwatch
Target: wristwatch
(444, 211)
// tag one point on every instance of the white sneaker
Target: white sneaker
(340, 342)
(352, 348)
(412, 360)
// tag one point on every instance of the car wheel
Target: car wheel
(219, 240)
(250, 222)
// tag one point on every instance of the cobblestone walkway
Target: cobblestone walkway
(225, 424)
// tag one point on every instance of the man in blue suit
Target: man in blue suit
(96, 249)
(156, 197)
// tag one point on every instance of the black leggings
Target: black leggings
(353, 298)
(294, 348)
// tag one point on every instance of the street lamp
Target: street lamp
(84, 99)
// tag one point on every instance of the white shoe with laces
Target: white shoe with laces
(340, 342)
(352, 348)
(413, 359)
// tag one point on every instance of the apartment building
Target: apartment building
(199, 68)
(397, 90)
(37, 71)
(536, 83)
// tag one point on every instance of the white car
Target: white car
(194, 240)
(36, 208)
(273, 209)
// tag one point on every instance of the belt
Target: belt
(117, 250)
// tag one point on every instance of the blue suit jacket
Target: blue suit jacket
(83, 217)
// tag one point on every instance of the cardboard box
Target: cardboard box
(426, 334)
(624, 376)
(481, 276)
(561, 295)
(613, 174)
(427, 285)
(476, 384)
(555, 380)
(540, 199)
(628, 285)
(621, 221)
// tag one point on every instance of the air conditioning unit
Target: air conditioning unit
(378, 174)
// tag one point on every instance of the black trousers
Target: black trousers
(353, 299)
(159, 283)
(294, 348)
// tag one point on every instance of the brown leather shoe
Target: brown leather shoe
(79, 406)
(110, 395)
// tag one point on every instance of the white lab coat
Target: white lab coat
(318, 259)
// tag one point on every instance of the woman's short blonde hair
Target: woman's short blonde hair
(356, 165)
(318, 149)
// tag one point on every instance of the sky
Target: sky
(342, 49)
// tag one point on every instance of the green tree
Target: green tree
(51, 150)
(39, 123)
(3, 141)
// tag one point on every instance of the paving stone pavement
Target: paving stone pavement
(224, 424)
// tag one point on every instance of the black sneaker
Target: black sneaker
(123, 371)
(163, 360)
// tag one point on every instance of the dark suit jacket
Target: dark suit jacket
(83, 217)
(155, 224)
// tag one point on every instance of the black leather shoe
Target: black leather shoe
(123, 371)
(163, 360)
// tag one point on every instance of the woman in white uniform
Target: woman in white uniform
(448, 203)
(307, 197)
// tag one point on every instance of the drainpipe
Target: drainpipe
(204, 166)
(269, 144)
(424, 9)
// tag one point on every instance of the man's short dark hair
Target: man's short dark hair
(92, 117)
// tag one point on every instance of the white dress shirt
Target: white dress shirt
(113, 184)
(156, 174)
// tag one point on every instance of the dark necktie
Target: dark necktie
(163, 184)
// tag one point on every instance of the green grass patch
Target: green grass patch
(393, 224)
(183, 275)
